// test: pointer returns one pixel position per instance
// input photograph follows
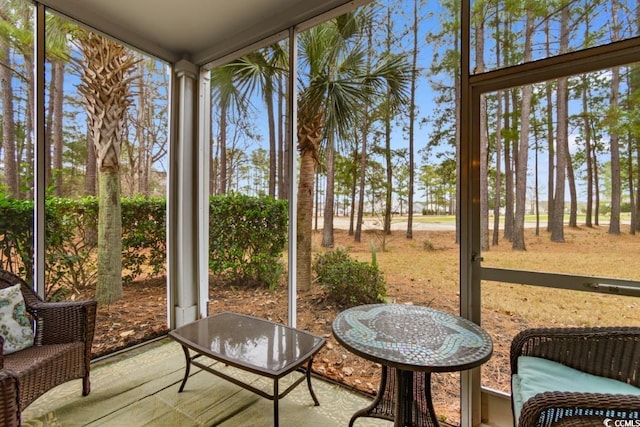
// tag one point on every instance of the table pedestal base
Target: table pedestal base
(414, 407)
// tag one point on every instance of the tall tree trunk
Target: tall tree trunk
(596, 186)
(143, 149)
(637, 210)
(8, 124)
(586, 122)
(498, 185)
(551, 155)
(363, 171)
(518, 242)
(614, 140)
(557, 220)
(631, 183)
(562, 93)
(109, 286)
(536, 199)
(363, 154)
(310, 125)
(616, 181)
(387, 141)
(484, 153)
(222, 169)
(272, 139)
(388, 200)
(508, 168)
(354, 186)
(412, 118)
(305, 217)
(282, 188)
(29, 146)
(635, 224)
(327, 231)
(573, 195)
(57, 92)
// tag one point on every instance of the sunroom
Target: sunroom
(534, 98)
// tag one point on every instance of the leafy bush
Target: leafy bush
(71, 242)
(144, 242)
(247, 236)
(347, 281)
(16, 235)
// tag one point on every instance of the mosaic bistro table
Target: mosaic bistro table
(410, 342)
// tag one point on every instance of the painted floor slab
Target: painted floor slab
(141, 389)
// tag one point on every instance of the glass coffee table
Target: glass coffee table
(410, 342)
(251, 344)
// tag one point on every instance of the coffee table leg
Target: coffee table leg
(313, 395)
(187, 368)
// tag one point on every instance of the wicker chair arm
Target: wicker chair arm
(577, 409)
(64, 322)
(9, 401)
(1, 352)
(612, 352)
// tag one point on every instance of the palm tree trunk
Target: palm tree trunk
(109, 287)
(305, 220)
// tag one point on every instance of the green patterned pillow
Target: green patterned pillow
(15, 325)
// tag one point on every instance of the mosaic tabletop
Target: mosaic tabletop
(412, 337)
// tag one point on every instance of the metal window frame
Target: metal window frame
(471, 271)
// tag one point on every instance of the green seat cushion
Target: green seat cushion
(536, 375)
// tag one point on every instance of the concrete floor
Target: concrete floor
(140, 388)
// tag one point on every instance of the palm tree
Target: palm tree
(105, 89)
(335, 83)
(260, 71)
(230, 99)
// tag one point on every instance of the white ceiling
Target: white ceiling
(196, 30)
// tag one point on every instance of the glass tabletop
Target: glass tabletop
(249, 342)
(413, 337)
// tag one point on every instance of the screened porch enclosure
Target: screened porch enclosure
(539, 237)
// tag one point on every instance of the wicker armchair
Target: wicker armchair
(611, 352)
(61, 351)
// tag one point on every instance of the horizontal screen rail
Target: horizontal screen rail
(563, 281)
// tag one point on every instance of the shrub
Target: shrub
(428, 246)
(347, 281)
(247, 236)
(144, 247)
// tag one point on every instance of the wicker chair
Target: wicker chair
(612, 352)
(61, 351)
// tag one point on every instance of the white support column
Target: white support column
(293, 180)
(40, 158)
(469, 205)
(182, 212)
(203, 157)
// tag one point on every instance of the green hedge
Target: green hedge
(247, 238)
